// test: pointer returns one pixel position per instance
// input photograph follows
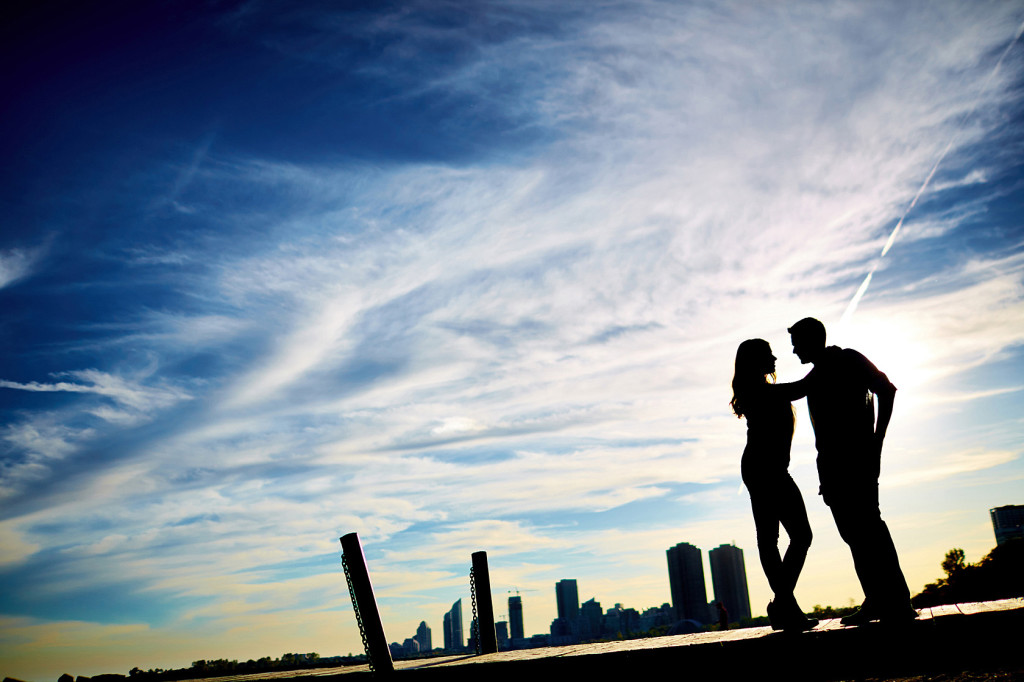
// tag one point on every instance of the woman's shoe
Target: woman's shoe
(773, 617)
(787, 616)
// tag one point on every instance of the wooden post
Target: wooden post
(365, 605)
(485, 609)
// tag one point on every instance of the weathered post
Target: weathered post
(480, 586)
(365, 605)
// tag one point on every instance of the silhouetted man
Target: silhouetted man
(840, 399)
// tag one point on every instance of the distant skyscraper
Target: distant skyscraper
(591, 617)
(568, 598)
(454, 628)
(729, 576)
(686, 581)
(501, 632)
(515, 616)
(1008, 522)
(423, 636)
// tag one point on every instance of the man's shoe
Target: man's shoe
(861, 616)
(903, 614)
(892, 615)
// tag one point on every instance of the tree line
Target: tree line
(222, 667)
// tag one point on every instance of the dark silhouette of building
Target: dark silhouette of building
(657, 616)
(423, 637)
(515, 617)
(591, 619)
(729, 577)
(686, 581)
(568, 598)
(453, 640)
(1008, 522)
(501, 633)
(621, 621)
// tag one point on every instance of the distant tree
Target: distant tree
(1000, 575)
(825, 612)
(954, 562)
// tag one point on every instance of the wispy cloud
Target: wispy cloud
(126, 393)
(16, 264)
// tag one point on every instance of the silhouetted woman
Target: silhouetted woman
(774, 496)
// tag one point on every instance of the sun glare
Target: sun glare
(895, 348)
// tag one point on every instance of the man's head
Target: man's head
(808, 337)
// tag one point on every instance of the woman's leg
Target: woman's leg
(793, 516)
(778, 503)
(766, 524)
(772, 504)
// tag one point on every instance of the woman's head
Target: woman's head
(754, 363)
(754, 359)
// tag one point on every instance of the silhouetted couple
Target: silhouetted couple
(840, 392)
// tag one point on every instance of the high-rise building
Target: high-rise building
(423, 637)
(729, 577)
(686, 581)
(453, 640)
(568, 599)
(1008, 522)
(515, 617)
(591, 618)
(501, 632)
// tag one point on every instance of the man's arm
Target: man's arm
(794, 390)
(885, 392)
(885, 401)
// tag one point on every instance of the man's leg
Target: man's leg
(859, 520)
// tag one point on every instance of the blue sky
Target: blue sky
(464, 276)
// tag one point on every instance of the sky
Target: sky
(465, 276)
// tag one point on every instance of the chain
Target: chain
(355, 608)
(476, 622)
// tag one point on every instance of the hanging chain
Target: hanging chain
(476, 622)
(355, 608)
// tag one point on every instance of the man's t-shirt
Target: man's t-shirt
(840, 399)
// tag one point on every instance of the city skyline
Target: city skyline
(473, 278)
(729, 569)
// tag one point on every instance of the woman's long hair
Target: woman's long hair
(749, 371)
